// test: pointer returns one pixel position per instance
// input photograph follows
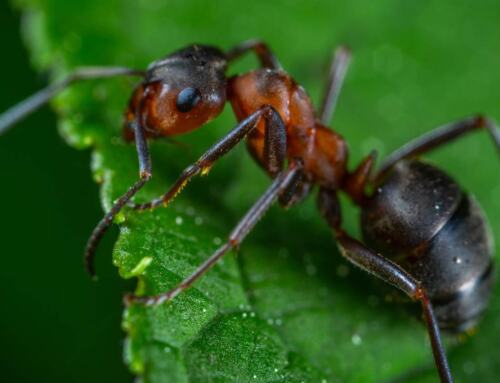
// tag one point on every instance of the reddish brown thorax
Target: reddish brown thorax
(323, 151)
(199, 73)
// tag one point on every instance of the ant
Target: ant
(425, 235)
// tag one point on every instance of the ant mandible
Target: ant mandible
(417, 215)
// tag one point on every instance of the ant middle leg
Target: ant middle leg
(336, 76)
(40, 98)
(274, 151)
(144, 176)
(388, 271)
(283, 181)
(440, 136)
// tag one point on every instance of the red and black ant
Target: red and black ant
(434, 237)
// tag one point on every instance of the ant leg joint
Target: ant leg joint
(146, 175)
(420, 294)
(234, 243)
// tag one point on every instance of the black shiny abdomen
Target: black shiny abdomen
(419, 217)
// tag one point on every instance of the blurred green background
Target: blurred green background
(416, 65)
(56, 325)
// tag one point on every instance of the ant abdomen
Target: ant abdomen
(421, 218)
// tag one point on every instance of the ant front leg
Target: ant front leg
(283, 181)
(144, 176)
(274, 151)
(440, 136)
(40, 98)
(388, 271)
(264, 54)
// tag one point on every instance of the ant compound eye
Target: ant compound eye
(187, 99)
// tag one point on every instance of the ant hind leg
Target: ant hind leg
(438, 137)
(388, 271)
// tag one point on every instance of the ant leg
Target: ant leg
(441, 136)
(296, 193)
(266, 57)
(275, 150)
(389, 272)
(145, 176)
(283, 181)
(32, 103)
(338, 70)
(355, 183)
(274, 143)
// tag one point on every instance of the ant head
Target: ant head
(183, 91)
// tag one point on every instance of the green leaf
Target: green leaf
(287, 308)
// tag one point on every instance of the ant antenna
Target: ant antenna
(40, 98)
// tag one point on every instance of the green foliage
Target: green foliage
(287, 308)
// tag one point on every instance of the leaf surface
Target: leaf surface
(287, 308)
